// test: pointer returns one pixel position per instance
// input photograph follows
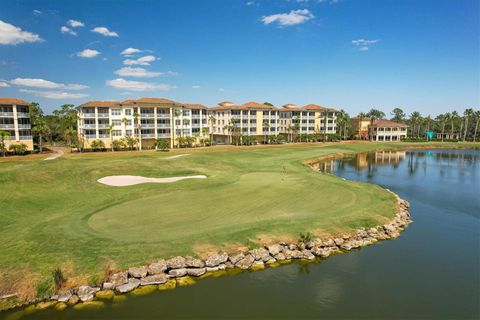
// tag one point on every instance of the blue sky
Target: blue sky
(351, 54)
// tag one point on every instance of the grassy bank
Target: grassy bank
(55, 215)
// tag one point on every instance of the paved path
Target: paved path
(58, 152)
(178, 156)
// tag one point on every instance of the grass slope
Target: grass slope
(55, 214)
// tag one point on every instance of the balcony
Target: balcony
(89, 125)
(103, 136)
(23, 115)
(6, 114)
(91, 136)
(26, 138)
(147, 125)
(163, 116)
(23, 126)
(163, 135)
(147, 115)
(148, 135)
(103, 125)
(88, 115)
(163, 125)
(103, 115)
(7, 126)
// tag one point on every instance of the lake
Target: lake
(430, 271)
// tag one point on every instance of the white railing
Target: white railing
(7, 126)
(24, 126)
(163, 135)
(103, 136)
(91, 136)
(23, 115)
(148, 125)
(89, 125)
(25, 137)
(163, 125)
(103, 115)
(148, 135)
(6, 114)
(103, 125)
(147, 115)
(163, 116)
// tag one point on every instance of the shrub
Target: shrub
(20, 149)
(162, 144)
(58, 278)
(306, 237)
(44, 288)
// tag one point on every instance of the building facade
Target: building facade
(144, 119)
(15, 119)
(308, 119)
(379, 130)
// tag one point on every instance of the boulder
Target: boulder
(321, 252)
(154, 279)
(306, 254)
(292, 246)
(176, 263)
(194, 263)
(245, 262)
(64, 297)
(260, 254)
(229, 265)
(296, 254)
(73, 300)
(216, 259)
(280, 256)
(175, 273)
(274, 249)
(157, 267)
(119, 278)
(86, 293)
(196, 272)
(108, 286)
(212, 269)
(234, 259)
(361, 233)
(329, 243)
(314, 243)
(338, 241)
(132, 284)
(138, 272)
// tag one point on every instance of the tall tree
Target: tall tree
(414, 120)
(466, 115)
(477, 117)
(4, 135)
(442, 119)
(398, 115)
(67, 118)
(39, 125)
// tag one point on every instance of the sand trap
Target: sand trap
(178, 156)
(122, 181)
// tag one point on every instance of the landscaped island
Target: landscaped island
(57, 217)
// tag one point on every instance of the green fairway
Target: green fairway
(55, 213)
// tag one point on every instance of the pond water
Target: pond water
(430, 271)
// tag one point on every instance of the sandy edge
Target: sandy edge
(123, 181)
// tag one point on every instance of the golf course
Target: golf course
(55, 214)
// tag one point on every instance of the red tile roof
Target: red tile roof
(388, 123)
(100, 104)
(195, 106)
(155, 100)
(252, 105)
(14, 101)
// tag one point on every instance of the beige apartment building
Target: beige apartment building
(15, 119)
(310, 119)
(145, 119)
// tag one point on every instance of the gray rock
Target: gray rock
(329, 243)
(119, 278)
(296, 254)
(245, 262)
(212, 269)
(306, 254)
(154, 279)
(272, 260)
(132, 284)
(260, 254)
(86, 293)
(194, 263)
(175, 273)
(216, 259)
(157, 267)
(222, 266)
(176, 263)
(275, 249)
(229, 265)
(108, 286)
(321, 252)
(361, 233)
(138, 272)
(280, 256)
(64, 297)
(338, 241)
(234, 259)
(196, 272)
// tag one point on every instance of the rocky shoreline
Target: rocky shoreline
(167, 274)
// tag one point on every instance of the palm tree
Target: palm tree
(204, 133)
(177, 113)
(124, 122)
(441, 118)
(477, 116)
(454, 119)
(110, 132)
(325, 120)
(136, 115)
(375, 114)
(414, 118)
(467, 114)
(266, 126)
(212, 121)
(4, 135)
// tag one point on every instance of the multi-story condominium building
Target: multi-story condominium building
(308, 119)
(250, 119)
(145, 119)
(15, 119)
(379, 130)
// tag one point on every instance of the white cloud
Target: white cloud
(328, 1)
(196, 87)
(123, 84)
(9, 34)
(130, 51)
(249, 3)
(292, 18)
(137, 72)
(104, 31)
(46, 84)
(88, 53)
(37, 12)
(364, 45)
(4, 84)
(55, 94)
(65, 29)
(75, 24)
(143, 61)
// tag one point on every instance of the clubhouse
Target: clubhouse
(148, 119)
(378, 130)
(15, 119)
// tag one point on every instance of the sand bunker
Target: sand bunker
(178, 156)
(122, 181)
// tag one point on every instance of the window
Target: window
(116, 112)
(117, 122)
(128, 132)
(128, 112)
(116, 133)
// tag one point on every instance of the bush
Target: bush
(58, 278)
(162, 144)
(306, 237)
(20, 149)
(44, 288)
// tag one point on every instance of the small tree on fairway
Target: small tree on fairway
(4, 135)
(162, 144)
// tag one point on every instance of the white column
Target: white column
(96, 122)
(155, 121)
(172, 128)
(15, 122)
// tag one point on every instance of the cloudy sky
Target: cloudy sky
(351, 54)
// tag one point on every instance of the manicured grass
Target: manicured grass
(55, 214)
